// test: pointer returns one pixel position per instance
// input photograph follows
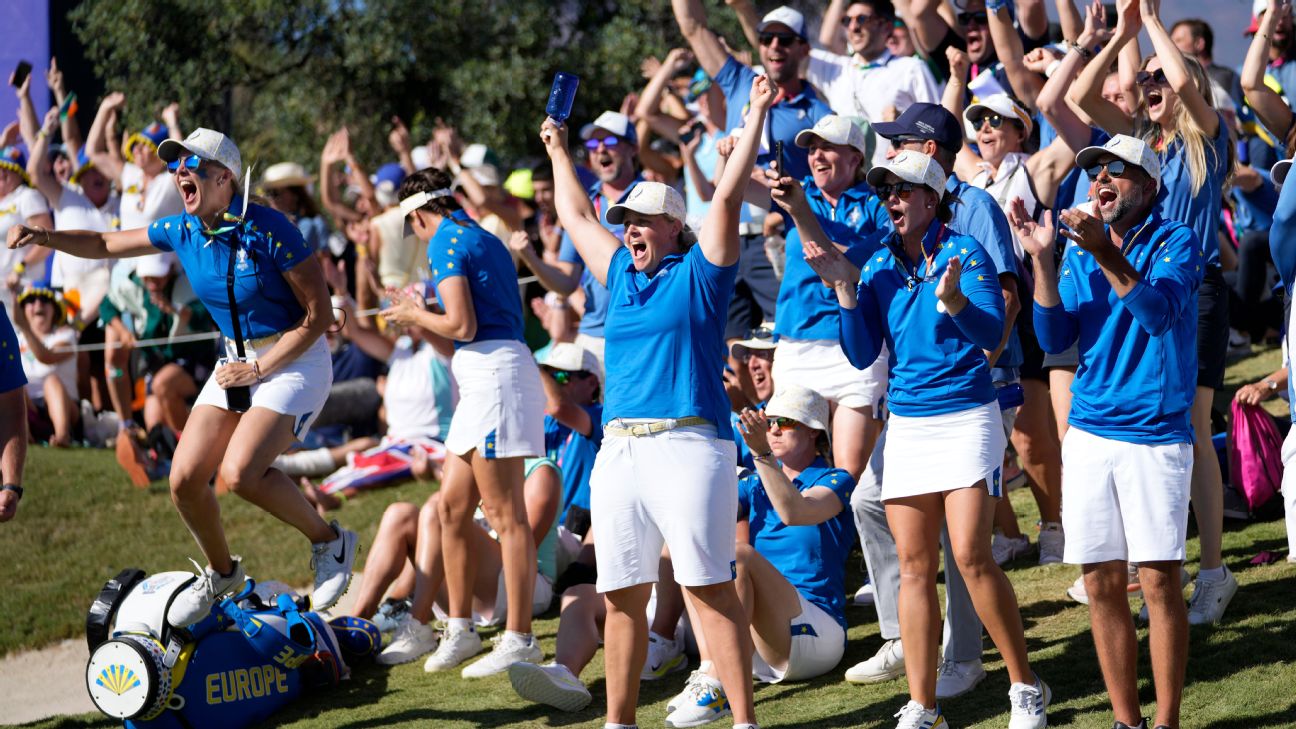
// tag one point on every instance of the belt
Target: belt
(748, 230)
(639, 430)
(257, 343)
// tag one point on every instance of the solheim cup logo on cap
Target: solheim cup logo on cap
(118, 679)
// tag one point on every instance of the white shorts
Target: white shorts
(676, 488)
(491, 616)
(821, 365)
(818, 643)
(937, 453)
(1124, 501)
(501, 405)
(299, 388)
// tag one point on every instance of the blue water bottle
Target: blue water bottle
(561, 96)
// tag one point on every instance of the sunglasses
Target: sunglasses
(193, 163)
(1115, 168)
(562, 377)
(996, 121)
(1151, 78)
(608, 141)
(902, 190)
(784, 39)
(849, 21)
(782, 423)
(980, 18)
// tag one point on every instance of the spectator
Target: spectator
(19, 204)
(1195, 38)
(287, 186)
(49, 363)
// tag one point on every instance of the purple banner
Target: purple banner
(26, 38)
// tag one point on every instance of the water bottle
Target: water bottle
(561, 96)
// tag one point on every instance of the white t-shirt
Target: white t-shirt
(17, 207)
(855, 88)
(75, 212)
(420, 395)
(140, 204)
(37, 371)
(1011, 180)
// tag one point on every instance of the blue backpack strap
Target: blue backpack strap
(265, 640)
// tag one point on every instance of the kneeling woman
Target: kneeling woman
(933, 296)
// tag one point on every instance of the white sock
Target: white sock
(610, 725)
(515, 637)
(460, 625)
(1214, 575)
(705, 666)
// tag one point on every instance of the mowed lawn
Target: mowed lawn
(82, 522)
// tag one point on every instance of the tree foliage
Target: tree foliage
(280, 75)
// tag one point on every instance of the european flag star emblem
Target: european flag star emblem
(963, 250)
(450, 265)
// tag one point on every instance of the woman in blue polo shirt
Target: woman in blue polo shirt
(1175, 114)
(665, 473)
(498, 422)
(933, 296)
(233, 250)
(834, 204)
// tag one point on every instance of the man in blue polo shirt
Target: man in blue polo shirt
(1127, 293)
(783, 48)
(13, 420)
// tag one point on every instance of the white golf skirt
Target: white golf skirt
(501, 403)
(299, 388)
(937, 453)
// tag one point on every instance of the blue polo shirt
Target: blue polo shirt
(1138, 355)
(812, 556)
(808, 309)
(596, 294)
(574, 453)
(665, 339)
(1201, 210)
(937, 362)
(11, 371)
(978, 216)
(785, 118)
(1282, 246)
(268, 246)
(460, 247)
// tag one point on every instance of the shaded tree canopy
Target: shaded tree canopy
(278, 76)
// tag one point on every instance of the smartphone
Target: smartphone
(20, 74)
(693, 130)
(778, 158)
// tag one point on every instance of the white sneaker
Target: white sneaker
(1006, 549)
(456, 647)
(1210, 598)
(1077, 591)
(864, 596)
(1051, 543)
(412, 641)
(195, 602)
(914, 716)
(664, 657)
(886, 664)
(678, 699)
(509, 649)
(332, 562)
(552, 684)
(956, 678)
(1184, 578)
(702, 702)
(1029, 705)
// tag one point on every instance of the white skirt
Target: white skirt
(298, 389)
(937, 453)
(821, 365)
(501, 403)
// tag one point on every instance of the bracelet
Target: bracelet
(1085, 53)
(256, 370)
(14, 488)
(764, 456)
(1052, 69)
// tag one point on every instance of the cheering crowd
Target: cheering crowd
(847, 287)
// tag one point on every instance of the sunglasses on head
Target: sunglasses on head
(193, 163)
(981, 18)
(902, 190)
(1146, 78)
(854, 20)
(562, 377)
(782, 423)
(784, 39)
(609, 141)
(1115, 168)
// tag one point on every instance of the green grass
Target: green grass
(82, 522)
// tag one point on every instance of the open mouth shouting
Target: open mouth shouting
(1107, 198)
(1156, 101)
(188, 193)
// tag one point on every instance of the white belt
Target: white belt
(255, 344)
(640, 430)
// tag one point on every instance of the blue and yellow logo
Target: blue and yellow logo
(118, 679)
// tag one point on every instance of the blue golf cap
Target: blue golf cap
(925, 121)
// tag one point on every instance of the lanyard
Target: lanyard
(911, 273)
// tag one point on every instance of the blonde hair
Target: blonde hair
(1196, 146)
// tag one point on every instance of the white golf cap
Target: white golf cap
(911, 166)
(572, 358)
(785, 16)
(154, 265)
(800, 404)
(1001, 104)
(207, 144)
(649, 198)
(285, 174)
(760, 338)
(836, 129)
(1130, 149)
(613, 122)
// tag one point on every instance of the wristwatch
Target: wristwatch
(1271, 384)
(14, 488)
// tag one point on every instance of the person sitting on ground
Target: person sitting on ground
(572, 381)
(411, 533)
(752, 384)
(45, 341)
